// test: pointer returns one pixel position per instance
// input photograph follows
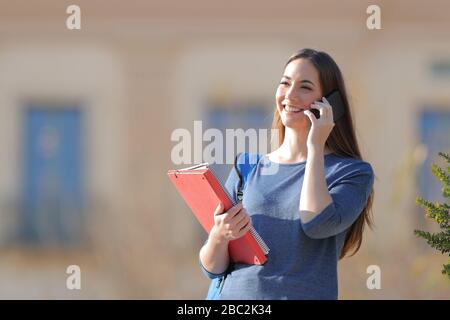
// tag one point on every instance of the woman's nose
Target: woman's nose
(291, 95)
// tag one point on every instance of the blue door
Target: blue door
(52, 184)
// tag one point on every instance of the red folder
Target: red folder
(202, 192)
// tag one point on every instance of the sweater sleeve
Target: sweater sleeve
(211, 275)
(350, 192)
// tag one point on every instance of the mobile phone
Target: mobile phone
(335, 100)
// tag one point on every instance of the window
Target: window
(52, 192)
(245, 117)
(434, 126)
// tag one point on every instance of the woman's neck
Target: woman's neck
(294, 149)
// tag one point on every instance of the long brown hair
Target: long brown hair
(342, 139)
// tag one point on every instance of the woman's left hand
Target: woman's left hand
(322, 127)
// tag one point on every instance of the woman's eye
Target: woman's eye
(284, 83)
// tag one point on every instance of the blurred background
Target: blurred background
(86, 118)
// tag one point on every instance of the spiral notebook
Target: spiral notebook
(202, 191)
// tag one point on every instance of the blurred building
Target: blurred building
(86, 118)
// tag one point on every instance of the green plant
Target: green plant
(440, 213)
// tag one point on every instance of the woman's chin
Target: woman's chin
(296, 123)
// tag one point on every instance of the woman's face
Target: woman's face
(298, 88)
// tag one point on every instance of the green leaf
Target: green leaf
(439, 213)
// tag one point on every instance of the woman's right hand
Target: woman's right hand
(230, 225)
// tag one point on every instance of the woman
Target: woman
(312, 212)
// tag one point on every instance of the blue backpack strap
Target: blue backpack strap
(214, 288)
(244, 164)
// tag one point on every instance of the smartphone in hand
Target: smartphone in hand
(335, 100)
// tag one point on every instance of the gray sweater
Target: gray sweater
(302, 262)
